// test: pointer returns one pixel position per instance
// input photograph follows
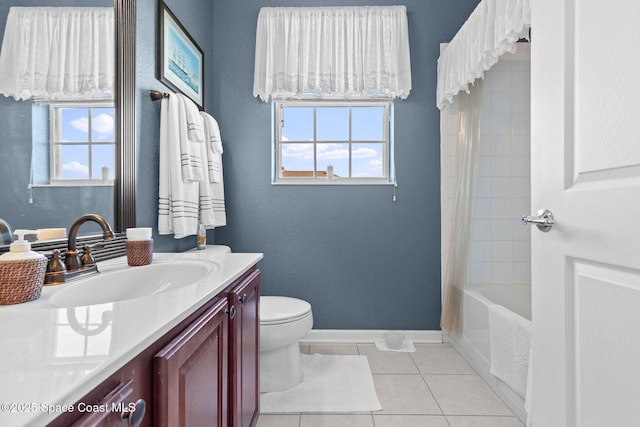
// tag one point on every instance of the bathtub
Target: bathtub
(473, 342)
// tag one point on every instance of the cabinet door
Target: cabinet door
(244, 352)
(190, 374)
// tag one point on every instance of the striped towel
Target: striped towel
(178, 202)
(192, 139)
(212, 205)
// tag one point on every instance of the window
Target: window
(326, 142)
(82, 143)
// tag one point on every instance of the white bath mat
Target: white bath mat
(332, 383)
(406, 347)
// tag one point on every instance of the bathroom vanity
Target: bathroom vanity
(188, 355)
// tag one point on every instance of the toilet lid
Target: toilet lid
(275, 310)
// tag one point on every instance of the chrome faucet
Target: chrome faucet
(6, 236)
(72, 259)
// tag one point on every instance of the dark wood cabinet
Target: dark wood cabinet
(190, 374)
(114, 410)
(205, 368)
(244, 344)
(103, 406)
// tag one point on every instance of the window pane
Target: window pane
(336, 155)
(332, 123)
(102, 155)
(74, 124)
(367, 160)
(298, 124)
(75, 161)
(351, 137)
(367, 123)
(102, 120)
(296, 161)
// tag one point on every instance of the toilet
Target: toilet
(283, 321)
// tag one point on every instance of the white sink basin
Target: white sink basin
(133, 282)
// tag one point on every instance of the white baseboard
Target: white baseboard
(368, 335)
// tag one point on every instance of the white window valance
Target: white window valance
(493, 28)
(58, 53)
(343, 52)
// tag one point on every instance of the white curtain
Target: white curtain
(58, 53)
(338, 51)
(493, 28)
(470, 105)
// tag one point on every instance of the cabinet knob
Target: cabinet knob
(243, 298)
(231, 311)
(136, 415)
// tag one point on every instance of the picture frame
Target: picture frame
(180, 59)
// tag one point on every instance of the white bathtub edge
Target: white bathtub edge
(481, 365)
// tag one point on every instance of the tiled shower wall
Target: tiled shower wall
(500, 250)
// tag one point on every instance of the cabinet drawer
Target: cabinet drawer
(114, 410)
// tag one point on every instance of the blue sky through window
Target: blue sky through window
(87, 145)
(332, 124)
(333, 132)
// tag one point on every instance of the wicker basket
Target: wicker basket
(139, 252)
(21, 281)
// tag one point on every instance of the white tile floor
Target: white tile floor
(433, 387)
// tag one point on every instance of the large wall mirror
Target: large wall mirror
(27, 197)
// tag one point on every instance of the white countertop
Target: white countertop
(45, 362)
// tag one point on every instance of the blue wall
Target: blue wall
(360, 259)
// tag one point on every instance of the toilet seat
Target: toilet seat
(275, 310)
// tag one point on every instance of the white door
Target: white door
(586, 171)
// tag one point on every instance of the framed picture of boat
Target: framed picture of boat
(181, 61)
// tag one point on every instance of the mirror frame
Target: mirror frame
(125, 89)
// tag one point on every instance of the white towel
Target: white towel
(212, 206)
(214, 147)
(178, 200)
(510, 341)
(191, 139)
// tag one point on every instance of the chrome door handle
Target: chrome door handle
(543, 220)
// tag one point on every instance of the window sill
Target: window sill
(73, 184)
(330, 183)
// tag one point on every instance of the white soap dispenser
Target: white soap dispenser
(21, 271)
(20, 249)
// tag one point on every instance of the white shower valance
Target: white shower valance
(342, 52)
(58, 53)
(492, 29)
